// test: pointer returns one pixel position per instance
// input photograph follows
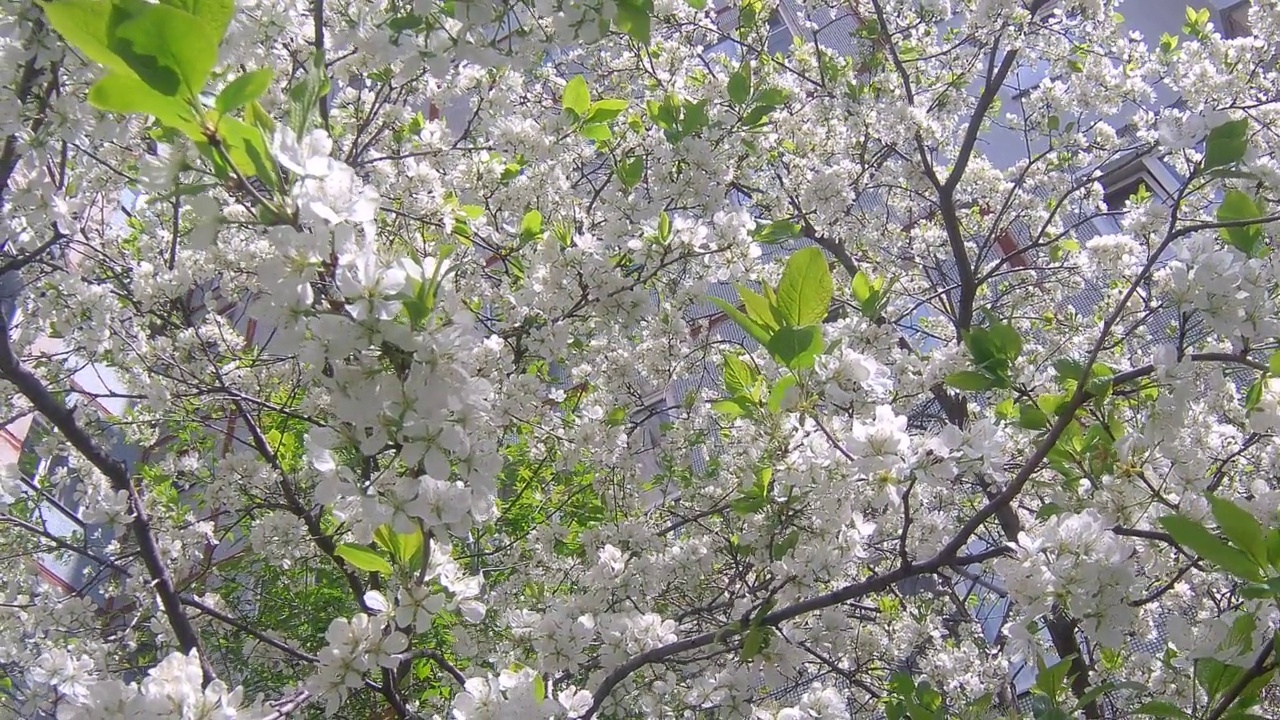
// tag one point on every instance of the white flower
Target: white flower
(327, 188)
(308, 157)
(418, 607)
(365, 280)
(71, 675)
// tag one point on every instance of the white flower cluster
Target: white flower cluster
(173, 688)
(1075, 561)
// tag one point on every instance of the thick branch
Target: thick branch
(63, 418)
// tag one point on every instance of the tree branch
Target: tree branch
(63, 418)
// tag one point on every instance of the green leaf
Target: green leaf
(216, 14)
(401, 546)
(1007, 341)
(862, 287)
(531, 225)
(776, 232)
(1253, 395)
(1237, 206)
(970, 381)
(698, 4)
(982, 348)
(243, 90)
(750, 326)
(576, 98)
(739, 377)
(1215, 676)
(1273, 547)
(756, 116)
(1051, 681)
(1226, 144)
(740, 84)
(596, 131)
(85, 25)
(257, 116)
(796, 347)
(733, 407)
(785, 545)
(631, 171)
(1195, 537)
(362, 558)
(758, 308)
(778, 392)
(1048, 510)
(1161, 709)
(539, 689)
(633, 19)
(170, 50)
(126, 94)
(1273, 364)
(772, 97)
(1241, 528)
(606, 110)
(753, 642)
(804, 293)
(664, 226)
(748, 504)
(248, 150)
(305, 95)
(1032, 417)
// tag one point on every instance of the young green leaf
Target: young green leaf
(633, 19)
(970, 381)
(531, 225)
(753, 642)
(1161, 709)
(796, 347)
(126, 94)
(1237, 206)
(216, 14)
(750, 326)
(1241, 528)
(243, 90)
(596, 131)
(785, 545)
(1226, 144)
(248, 150)
(732, 407)
(1195, 537)
(758, 308)
(740, 84)
(576, 98)
(776, 232)
(168, 49)
(631, 171)
(778, 393)
(739, 377)
(84, 24)
(862, 287)
(1007, 341)
(362, 558)
(804, 294)
(605, 110)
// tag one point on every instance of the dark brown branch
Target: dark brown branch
(246, 628)
(63, 418)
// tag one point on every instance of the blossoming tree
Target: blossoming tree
(474, 238)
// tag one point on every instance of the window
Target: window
(1116, 197)
(779, 33)
(1127, 179)
(651, 421)
(1235, 20)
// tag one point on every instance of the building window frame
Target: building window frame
(1234, 20)
(1126, 174)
